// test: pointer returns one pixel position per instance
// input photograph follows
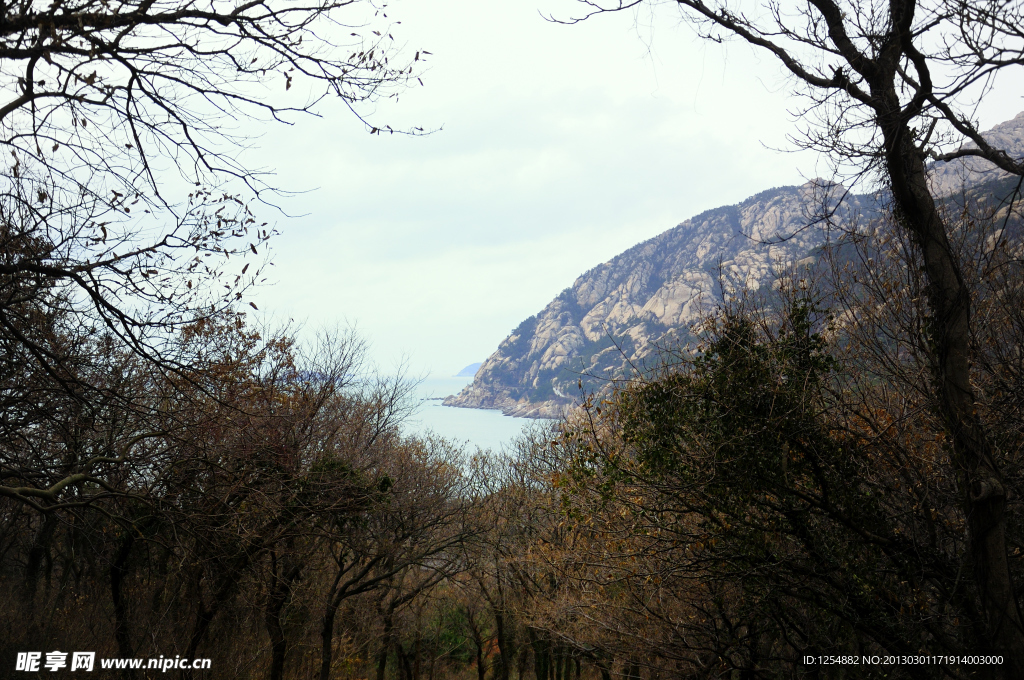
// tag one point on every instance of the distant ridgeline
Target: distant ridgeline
(615, 318)
(469, 371)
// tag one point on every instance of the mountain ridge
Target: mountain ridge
(620, 312)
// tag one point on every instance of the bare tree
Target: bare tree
(406, 540)
(891, 86)
(118, 230)
(103, 90)
(114, 104)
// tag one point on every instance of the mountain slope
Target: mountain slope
(619, 314)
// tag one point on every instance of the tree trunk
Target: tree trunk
(279, 592)
(478, 642)
(118, 573)
(406, 666)
(504, 662)
(205, 614)
(984, 493)
(272, 619)
(416, 657)
(334, 600)
(521, 665)
(278, 648)
(385, 647)
(39, 551)
(541, 655)
(481, 670)
(327, 641)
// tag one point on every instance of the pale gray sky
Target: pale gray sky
(559, 147)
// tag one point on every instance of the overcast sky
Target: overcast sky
(557, 148)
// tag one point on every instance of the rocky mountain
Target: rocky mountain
(616, 316)
(470, 370)
(948, 178)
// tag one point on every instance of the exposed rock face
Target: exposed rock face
(621, 313)
(948, 178)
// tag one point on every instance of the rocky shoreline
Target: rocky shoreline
(518, 408)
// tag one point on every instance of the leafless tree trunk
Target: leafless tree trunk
(950, 301)
(867, 66)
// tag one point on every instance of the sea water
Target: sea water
(485, 428)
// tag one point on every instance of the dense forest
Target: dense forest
(784, 489)
(826, 482)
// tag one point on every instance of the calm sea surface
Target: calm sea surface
(477, 427)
